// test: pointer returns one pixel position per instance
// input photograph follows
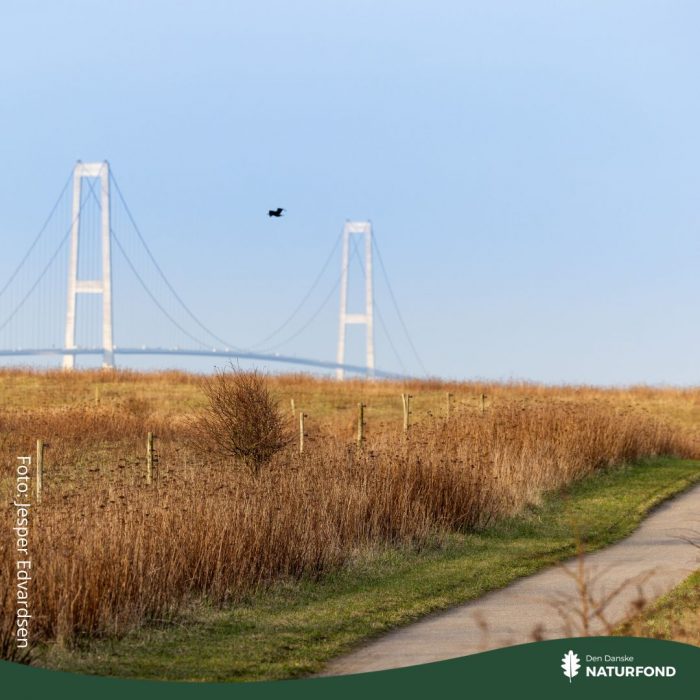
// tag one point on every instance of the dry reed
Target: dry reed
(109, 553)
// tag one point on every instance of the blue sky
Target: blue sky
(530, 168)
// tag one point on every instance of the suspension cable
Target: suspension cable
(38, 279)
(162, 274)
(38, 236)
(304, 299)
(52, 258)
(396, 307)
(143, 282)
(310, 321)
(322, 305)
(150, 294)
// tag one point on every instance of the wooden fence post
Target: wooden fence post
(302, 415)
(449, 404)
(149, 459)
(294, 411)
(360, 424)
(483, 399)
(406, 399)
(39, 469)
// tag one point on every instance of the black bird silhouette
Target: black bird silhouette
(276, 212)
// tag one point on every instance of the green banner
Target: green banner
(594, 667)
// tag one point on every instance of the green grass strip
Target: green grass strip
(674, 616)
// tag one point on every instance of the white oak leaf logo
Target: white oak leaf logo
(570, 664)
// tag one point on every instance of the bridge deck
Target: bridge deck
(230, 354)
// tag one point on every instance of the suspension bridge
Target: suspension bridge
(59, 301)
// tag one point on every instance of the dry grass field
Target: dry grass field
(114, 552)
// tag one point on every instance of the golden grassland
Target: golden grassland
(114, 552)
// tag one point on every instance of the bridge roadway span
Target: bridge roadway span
(229, 354)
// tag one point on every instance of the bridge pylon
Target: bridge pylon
(361, 228)
(102, 286)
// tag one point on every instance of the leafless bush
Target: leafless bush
(242, 419)
(587, 614)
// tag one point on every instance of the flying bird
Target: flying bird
(276, 212)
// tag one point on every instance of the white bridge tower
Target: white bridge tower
(102, 286)
(361, 228)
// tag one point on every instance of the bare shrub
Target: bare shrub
(242, 419)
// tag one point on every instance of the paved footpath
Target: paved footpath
(549, 604)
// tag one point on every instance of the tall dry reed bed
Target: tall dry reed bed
(109, 553)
